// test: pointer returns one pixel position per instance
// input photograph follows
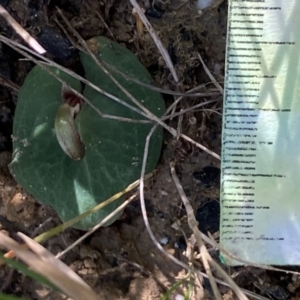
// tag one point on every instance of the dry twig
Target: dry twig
(142, 269)
(105, 24)
(193, 224)
(106, 219)
(21, 32)
(189, 94)
(156, 40)
(43, 262)
(212, 78)
(8, 83)
(162, 51)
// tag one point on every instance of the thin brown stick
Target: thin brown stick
(100, 224)
(156, 40)
(212, 153)
(43, 262)
(188, 94)
(66, 33)
(21, 32)
(162, 51)
(183, 111)
(212, 78)
(8, 83)
(193, 224)
(215, 111)
(106, 26)
(179, 124)
(142, 269)
(238, 291)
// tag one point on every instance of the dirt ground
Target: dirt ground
(120, 261)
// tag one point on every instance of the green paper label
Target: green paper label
(260, 190)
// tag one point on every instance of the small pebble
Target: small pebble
(164, 241)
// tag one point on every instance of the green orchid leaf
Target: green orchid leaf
(113, 148)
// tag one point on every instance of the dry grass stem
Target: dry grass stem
(138, 22)
(193, 224)
(212, 153)
(212, 78)
(183, 111)
(140, 17)
(189, 94)
(105, 25)
(156, 40)
(43, 262)
(66, 33)
(210, 110)
(238, 291)
(6, 82)
(206, 258)
(162, 51)
(21, 31)
(179, 124)
(143, 270)
(100, 224)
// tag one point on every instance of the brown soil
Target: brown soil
(120, 261)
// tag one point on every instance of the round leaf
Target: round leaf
(113, 148)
